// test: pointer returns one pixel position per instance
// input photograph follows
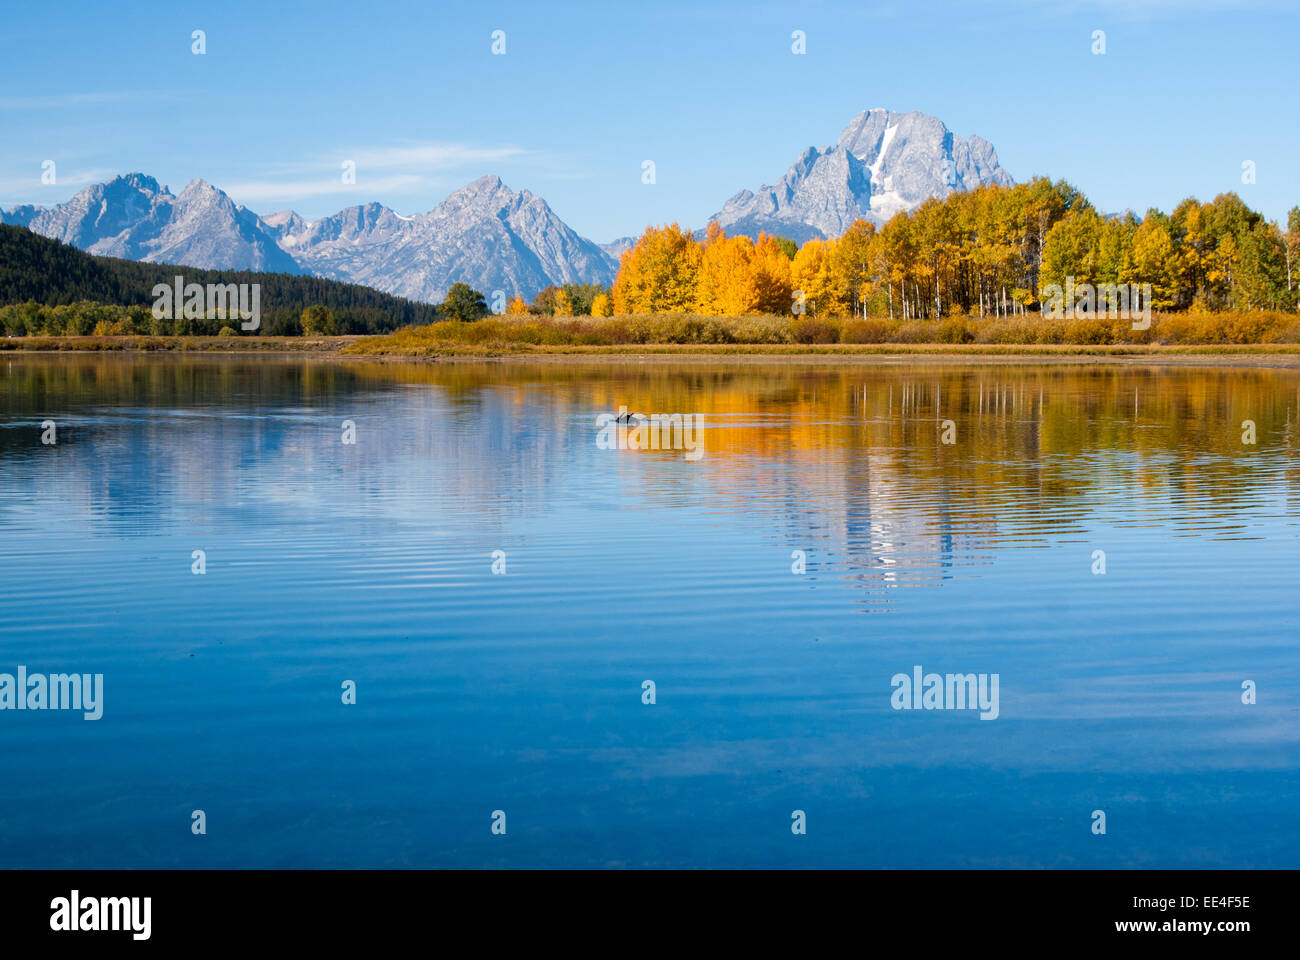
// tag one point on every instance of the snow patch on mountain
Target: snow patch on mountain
(882, 163)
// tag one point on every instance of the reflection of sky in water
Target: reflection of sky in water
(371, 562)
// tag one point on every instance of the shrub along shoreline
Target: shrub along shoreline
(508, 334)
(1227, 333)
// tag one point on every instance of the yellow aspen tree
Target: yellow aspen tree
(1194, 249)
(771, 276)
(517, 307)
(811, 273)
(563, 305)
(850, 265)
(659, 274)
(1154, 260)
(600, 306)
(727, 285)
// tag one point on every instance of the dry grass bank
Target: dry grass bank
(772, 334)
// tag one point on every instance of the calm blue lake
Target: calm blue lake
(522, 691)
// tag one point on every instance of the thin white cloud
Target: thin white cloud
(48, 193)
(1180, 6)
(394, 169)
(55, 101)
(1146, 9)
(415, 158)
(251, 192)
(433, 156)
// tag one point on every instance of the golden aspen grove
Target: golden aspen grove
(990, 251)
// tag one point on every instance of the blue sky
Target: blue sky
(585, 92)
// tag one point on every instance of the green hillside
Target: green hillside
(52, 274)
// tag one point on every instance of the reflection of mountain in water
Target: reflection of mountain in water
(845, 462)
(136, 437)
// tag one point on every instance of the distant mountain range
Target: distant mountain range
(493, 238)
(484, 234)
(133, 218)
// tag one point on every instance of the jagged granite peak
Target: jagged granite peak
(620, 245)
(20, 215)
(882, 163)
(208, 229)
(133, 217)
(286, 226)
(486, 195)
(483, 234)
(364, 222)
(914, 156)
(115, 218)
(821, 194)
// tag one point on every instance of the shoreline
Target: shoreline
(1267, 356)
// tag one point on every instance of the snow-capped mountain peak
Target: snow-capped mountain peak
(883, 163)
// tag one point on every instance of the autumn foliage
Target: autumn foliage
(989, 252)
(660, 274)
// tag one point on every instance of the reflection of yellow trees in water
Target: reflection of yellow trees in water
(1036, 446)
(854, 454)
